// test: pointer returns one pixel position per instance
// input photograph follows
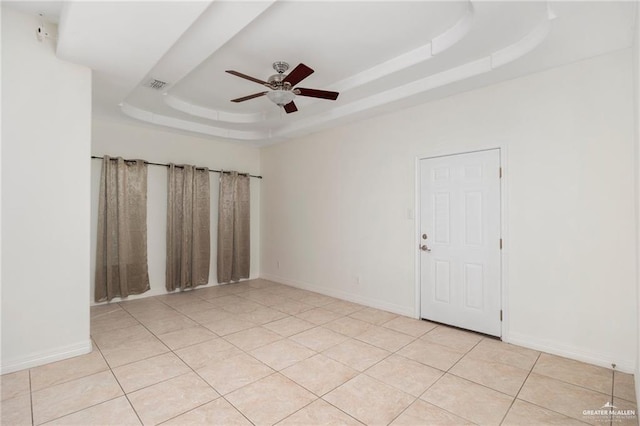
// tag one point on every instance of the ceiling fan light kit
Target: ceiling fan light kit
(281, 97)
(282, 86)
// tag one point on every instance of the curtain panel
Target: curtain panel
(121, 259)
(188, 227)
(233, 227)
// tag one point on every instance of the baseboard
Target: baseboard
(603, 360)
(45, 357)
(350, 297)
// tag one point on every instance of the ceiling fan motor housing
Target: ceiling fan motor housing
(277, 80)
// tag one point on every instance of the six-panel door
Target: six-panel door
(460, 269)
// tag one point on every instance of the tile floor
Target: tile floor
(262, 353)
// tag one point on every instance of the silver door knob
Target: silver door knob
(424, 248)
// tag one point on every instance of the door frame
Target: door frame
(504, 253)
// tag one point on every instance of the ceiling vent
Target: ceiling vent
(155, 84)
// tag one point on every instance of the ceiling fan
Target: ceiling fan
(282, 91)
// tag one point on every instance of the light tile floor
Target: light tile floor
(263, 353)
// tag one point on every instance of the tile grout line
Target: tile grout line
(445, 372)
(396, 353)
(121, 388)
(315, 353)
(166, 380)
(519, 390)
(428, 387)
(289, 315)
(391, 354)
(562, 381)
(153, 356)
(555, 412)
(319, 398)
(417, 398)
(182, 361)
(613, 382)
(102, 402)
(460, 359)
(571, 383)
(486, 386)
(204, 380)
(110, 368)
(33, 421)
(274, 370)
(414, 338)
(82, 409)
(287, 416)
(179, 312)
(208, 402)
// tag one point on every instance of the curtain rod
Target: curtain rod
(166, 165)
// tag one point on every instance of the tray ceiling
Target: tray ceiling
(381, 56)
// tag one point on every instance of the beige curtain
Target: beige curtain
(188, 223)
(121, 263)
(233, 227)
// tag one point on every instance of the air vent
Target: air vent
(155, 84)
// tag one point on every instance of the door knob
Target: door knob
(424, 248)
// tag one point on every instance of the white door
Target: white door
(460, 274)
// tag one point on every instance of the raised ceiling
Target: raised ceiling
(381, 56)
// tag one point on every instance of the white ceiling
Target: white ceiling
(380, 55)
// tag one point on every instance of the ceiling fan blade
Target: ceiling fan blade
(298, 74)
(246, 98)
(247, 77)
(290, 107)
(315, 93)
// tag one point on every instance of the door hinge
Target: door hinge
(500, 172)
(500, 314)
(500, 243)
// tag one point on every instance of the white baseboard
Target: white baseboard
(45, 357)
(350, 297)
(567, 351)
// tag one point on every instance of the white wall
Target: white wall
(338, 205)
(46, 133)
(164, 146)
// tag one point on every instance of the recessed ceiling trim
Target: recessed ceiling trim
(538, 38)
(471, 69)
(212, 114)
(462, 72)
(443, 78)
(177, 123)
(423, 53)
(454, 34)
(523, 46)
